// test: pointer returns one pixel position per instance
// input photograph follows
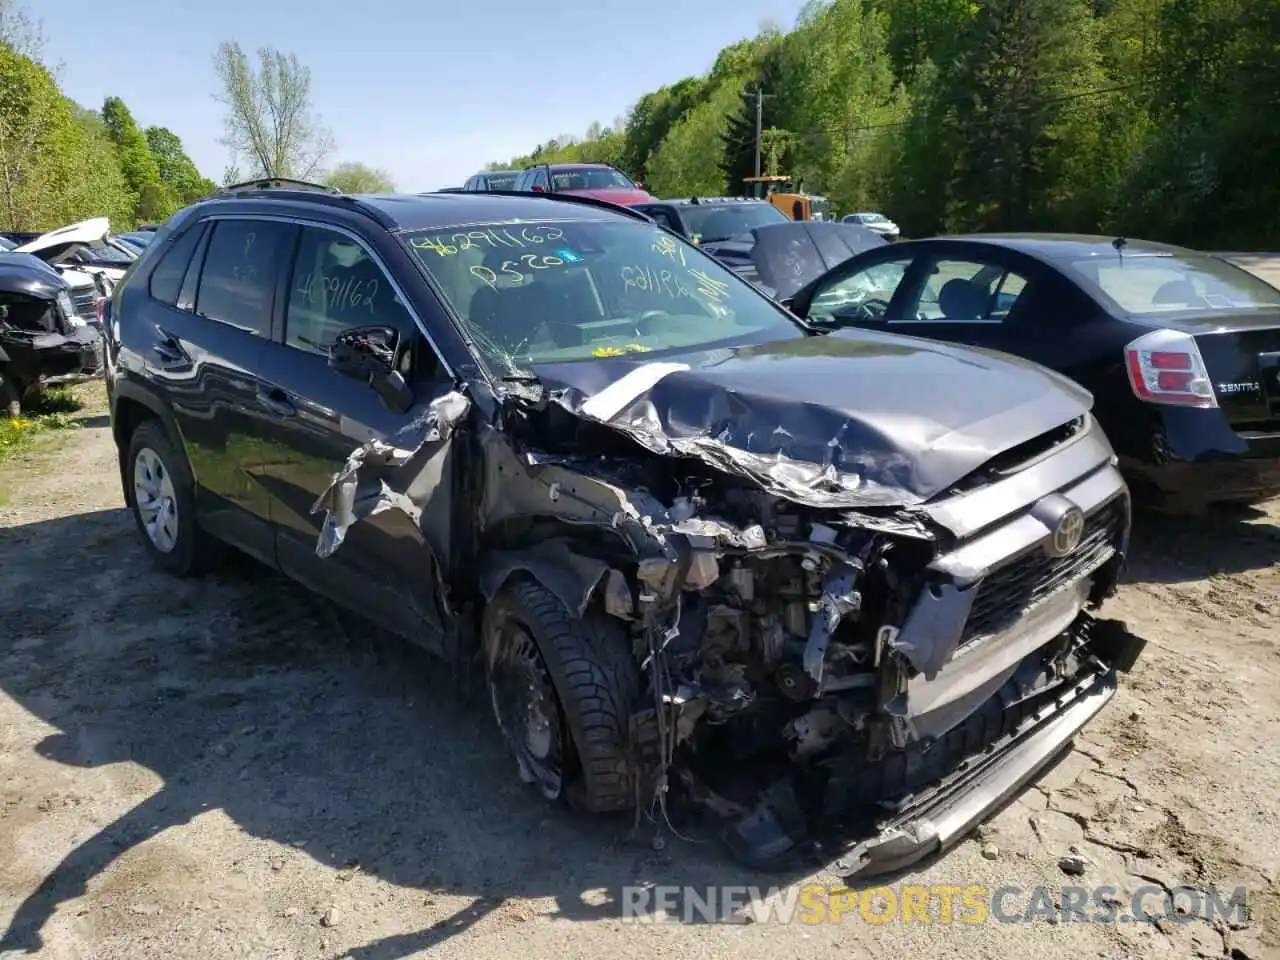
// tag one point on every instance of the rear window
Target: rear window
(168, 274)
(711, 222)
(1177, 284)
(589, 178)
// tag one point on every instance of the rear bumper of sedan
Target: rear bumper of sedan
(1209, 463)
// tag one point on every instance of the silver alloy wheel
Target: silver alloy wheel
(155, 500)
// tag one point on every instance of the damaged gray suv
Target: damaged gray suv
(832, 588)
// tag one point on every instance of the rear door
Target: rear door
(213, 295)
(386, 567)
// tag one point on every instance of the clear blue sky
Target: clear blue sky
(429, 90)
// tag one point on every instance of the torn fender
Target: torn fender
(570, 576)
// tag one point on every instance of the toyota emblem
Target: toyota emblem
(1066, 535)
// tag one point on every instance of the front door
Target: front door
(388, 566)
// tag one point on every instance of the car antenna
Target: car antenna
(1120, 243)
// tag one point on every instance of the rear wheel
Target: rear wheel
(161, 495)
(562, 690)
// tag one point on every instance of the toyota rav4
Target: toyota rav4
(819, 584)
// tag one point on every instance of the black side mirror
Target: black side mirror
(369, 354)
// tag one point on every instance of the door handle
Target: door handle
(275, 401)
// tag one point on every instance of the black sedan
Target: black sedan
(1180, 349)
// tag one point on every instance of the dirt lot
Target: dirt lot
(227, 767)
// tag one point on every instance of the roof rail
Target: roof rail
(274, 183)
(568, 198)
(283, 188)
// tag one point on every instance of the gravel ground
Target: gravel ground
(227, 767)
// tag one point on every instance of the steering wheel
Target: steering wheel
(648, 316)
(873, 308)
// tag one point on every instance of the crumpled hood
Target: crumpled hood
(86, 232)
(850, 419)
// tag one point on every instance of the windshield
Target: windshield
(1186, 283)
(710, 223)
(501, 181)
(589, 178)
(561, 290)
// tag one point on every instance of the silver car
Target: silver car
(875, 222)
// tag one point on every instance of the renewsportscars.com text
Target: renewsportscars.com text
(932, 904)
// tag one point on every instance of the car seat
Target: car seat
(962, 300)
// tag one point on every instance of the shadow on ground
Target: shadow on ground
(1170, 548)
(306, 726)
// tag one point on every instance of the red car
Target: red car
(599, 180)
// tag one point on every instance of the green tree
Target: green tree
(353, 177)
(1022, 101)
(739, 151)
(136, 162)
(20, 31)
(54, 169)
(270, 119)
(177, 171)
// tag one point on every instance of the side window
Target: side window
(965, 291)
(238, 282)
(336, 285)
(522, 181)
(863, 295)
(539, 179)
(167, 276)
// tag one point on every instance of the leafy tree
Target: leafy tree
(21, 32)
(270, 119)
(177, 171)
(54, 169)
(739, 150)
(139, 167)
(353, 177)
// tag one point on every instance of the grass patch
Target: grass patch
(50, 411)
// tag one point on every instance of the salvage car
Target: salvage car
(1180, 349)
(875, 222)
(730, 228)
(601, 181)
(43, 339)
(836, 589)
(87, 248)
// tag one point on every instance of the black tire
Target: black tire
(596, 682)
(10, 397)
(194, 551)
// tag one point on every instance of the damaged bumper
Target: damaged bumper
(927, 825)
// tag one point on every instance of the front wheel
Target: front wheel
(563, 689)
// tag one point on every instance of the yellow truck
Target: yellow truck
(783, 193)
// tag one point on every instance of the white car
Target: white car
(875, 222)
(90, 260)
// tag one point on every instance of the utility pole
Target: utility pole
(759, 125)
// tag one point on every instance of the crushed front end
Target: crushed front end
(815, 675)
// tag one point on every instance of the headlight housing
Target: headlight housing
(68, 310)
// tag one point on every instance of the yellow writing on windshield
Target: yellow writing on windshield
(709, 286)
(669, 248)
(489, 238)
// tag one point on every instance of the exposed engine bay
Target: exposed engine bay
(798, 669)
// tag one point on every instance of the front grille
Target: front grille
(1008, 592)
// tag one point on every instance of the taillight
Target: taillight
(1165, 366)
